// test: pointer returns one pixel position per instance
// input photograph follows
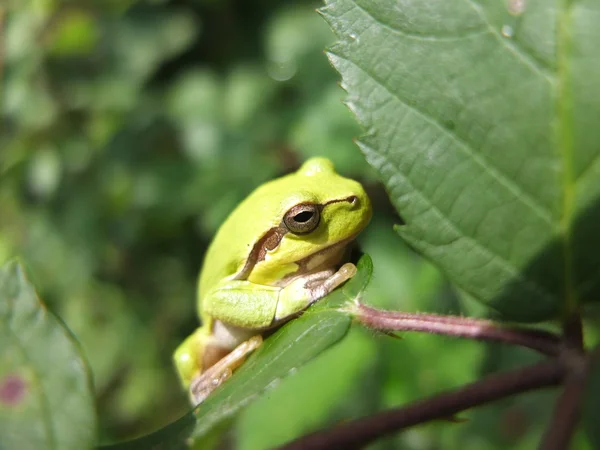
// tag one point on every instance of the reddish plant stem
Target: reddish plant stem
(573, 332)
(483, 330)
(360, 432)
(567, 410)
(566, 415)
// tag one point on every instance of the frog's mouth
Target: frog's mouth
(326, 257)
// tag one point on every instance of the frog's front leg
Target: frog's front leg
(236, 308)
(251, 306)
(304, 291)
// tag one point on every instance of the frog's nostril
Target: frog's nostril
(353, 200)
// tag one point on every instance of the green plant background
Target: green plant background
(129, 130)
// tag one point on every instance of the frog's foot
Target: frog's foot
(323, 286)
(306, 290)
(205, 383)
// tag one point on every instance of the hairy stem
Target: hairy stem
(479, 329)
(360, 432)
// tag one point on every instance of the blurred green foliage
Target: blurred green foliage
(129, 130)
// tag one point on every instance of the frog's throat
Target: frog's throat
(271, 240)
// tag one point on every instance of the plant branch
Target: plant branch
(573, 331)
(567, 410)
(566, 416)
(360, 432)
(484, 330)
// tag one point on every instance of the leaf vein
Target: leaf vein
(534, 64)
(422, 36)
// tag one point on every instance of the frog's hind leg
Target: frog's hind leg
(206, 382)
(188, 357)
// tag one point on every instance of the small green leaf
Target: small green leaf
(480, 122)
(359, 282)
(284, 352)
(46, 398)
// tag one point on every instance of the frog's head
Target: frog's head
(313, 214)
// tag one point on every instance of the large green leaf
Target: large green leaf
(481, 121)
(46, 399)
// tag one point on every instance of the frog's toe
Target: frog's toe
(204, 384)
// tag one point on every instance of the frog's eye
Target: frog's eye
(302, 219)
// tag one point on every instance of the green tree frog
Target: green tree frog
(279, 251)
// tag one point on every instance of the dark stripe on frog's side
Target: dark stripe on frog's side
(270, 240)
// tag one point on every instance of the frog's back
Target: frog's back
(261, 211)
(229, 250)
